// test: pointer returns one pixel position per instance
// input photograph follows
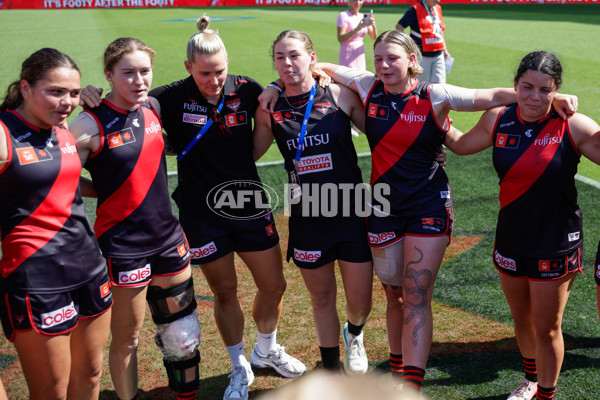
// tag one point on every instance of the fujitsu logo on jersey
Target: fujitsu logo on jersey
(59, 316)
(69, 149)
(412, 117)
(309, 141)
(505, 262)
(153, 128)
(193, 106)
(546, 140)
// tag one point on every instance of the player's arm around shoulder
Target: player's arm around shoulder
(262, 134)
(585, 133)
(350, 103)
(3, 148)
(86, 132)
(475, 139)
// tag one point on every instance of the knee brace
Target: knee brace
(169, 305)
(178, 333)
(184, 375)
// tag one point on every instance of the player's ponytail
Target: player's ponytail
(13, 97)
(206, 41)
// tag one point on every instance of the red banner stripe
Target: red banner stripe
(534, 160)
(35, 231)
(400, 137)
(133, 191)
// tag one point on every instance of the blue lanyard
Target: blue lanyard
(309, 104)
(427, 9)
(200, 134)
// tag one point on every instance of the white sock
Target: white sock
(236, 352)
(266, 342)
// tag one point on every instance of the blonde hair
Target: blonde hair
(405, 41)
(206, 41)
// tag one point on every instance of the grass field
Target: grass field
(474, 354)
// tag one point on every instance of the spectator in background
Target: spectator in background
(352, 26)
(427, 30)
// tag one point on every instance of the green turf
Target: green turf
(487, 42)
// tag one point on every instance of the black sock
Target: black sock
(397, 366)
(530, 369)
(330, 357)
(355, 330)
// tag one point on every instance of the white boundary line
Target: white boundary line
(580, 178)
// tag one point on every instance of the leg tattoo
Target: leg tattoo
(419, 282)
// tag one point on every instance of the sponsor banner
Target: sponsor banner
(70, 4)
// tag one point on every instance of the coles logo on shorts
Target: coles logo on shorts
(379, 238)
(321, 162)
(505, 262)
(135, 276)
(59, 316)
(203, 251)
(306, 256)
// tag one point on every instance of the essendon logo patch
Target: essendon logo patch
(323, 107)
(436, 224)
(234, 104)
(507, 141)
(548, 265)
(105, 289)
(117, 139)
(236, 119)
(283, 115)
(378, 111)
(28, 155)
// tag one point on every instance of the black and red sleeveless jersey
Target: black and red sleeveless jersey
(536, 163)
(134, 214)
(328, 154)
(221, 155)
(47, 242)
(405, 139)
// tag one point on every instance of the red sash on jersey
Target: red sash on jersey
(391, 147)
(35, 231)
(535, 160)
(133, 191)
